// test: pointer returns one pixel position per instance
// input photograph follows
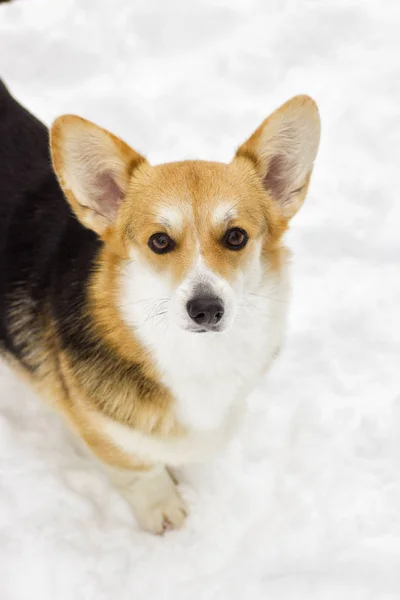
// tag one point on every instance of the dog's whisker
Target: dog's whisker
(162, 319)
(150, 301)
(268, 298)
(249, 306)
(158, 310)
(248, 312)
(252, 305)
(152, 311)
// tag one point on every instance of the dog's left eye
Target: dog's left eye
(161, 243)
(235, 238)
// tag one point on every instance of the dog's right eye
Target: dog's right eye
(235, 238)
(161, 243)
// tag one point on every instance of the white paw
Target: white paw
(168, 513)
(155, 501)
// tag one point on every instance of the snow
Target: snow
(305, 503)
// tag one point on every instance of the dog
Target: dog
(146, 302)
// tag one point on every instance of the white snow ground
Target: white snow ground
(306, 502)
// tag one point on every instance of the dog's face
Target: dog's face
(195, 240)
(195, 233)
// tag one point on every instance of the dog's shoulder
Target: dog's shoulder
(43, 248)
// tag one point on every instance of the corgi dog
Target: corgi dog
(146, 302)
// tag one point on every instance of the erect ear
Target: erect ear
(93, 167)
(283, 150)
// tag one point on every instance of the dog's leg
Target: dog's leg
(148, 488)
(153, 496)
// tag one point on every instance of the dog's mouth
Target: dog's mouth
(218, 329)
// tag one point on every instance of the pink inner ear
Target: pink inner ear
(276, 179)
(109, 195)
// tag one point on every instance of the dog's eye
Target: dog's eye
(161, 243)
(235, 238)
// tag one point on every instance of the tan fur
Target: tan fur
(73, 133)
(251, 187)
(194, 188)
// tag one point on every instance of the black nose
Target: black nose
(205, 311)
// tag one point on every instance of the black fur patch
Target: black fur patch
(46, 259)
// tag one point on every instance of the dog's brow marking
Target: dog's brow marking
(189, 213)
(171, 217)
(224, 212)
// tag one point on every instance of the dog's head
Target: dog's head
(193, 238)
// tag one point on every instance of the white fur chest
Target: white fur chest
(208, 374)
(209, 378)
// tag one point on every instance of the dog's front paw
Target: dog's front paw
(168, 512)
(155, 501)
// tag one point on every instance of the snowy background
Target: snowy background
(306, 502)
